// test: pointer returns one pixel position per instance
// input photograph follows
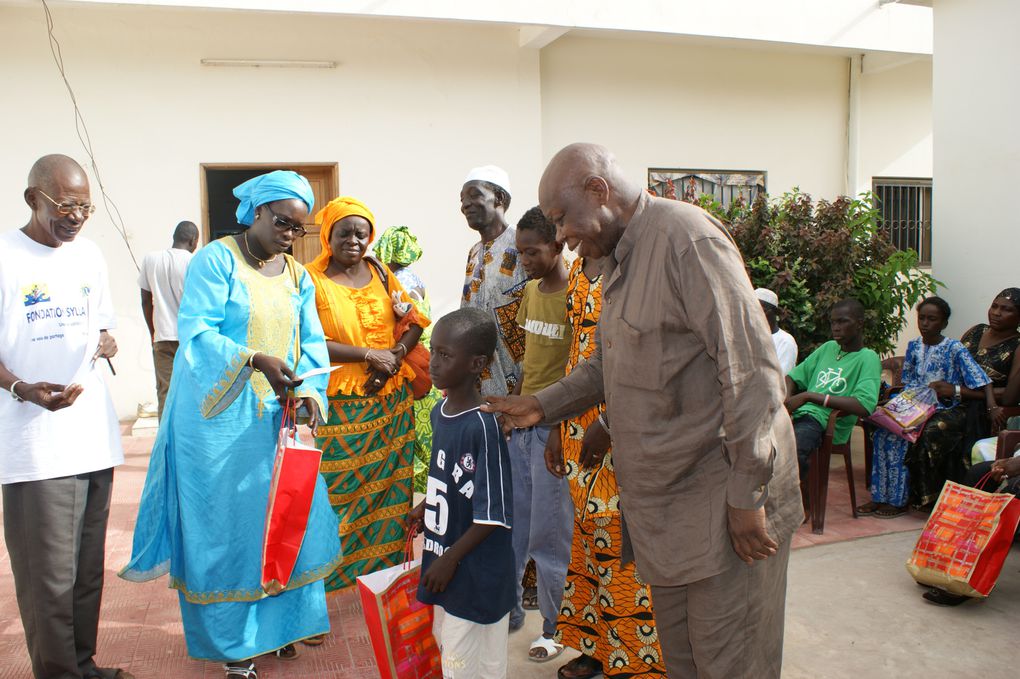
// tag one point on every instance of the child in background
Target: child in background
(537, 493)
(467, 569)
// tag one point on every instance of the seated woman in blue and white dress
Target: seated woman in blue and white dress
(902, 471)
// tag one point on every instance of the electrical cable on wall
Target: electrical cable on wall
(83, 136)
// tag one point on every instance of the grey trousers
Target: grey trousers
(543, 524)
(56, 537)
(728, 626)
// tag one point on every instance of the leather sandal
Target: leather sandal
(581, 667)
(241, 671)
(288, 652)
(318, 640)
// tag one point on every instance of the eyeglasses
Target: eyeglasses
(86, 209)
(284, 225)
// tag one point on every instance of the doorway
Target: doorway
(219, 207)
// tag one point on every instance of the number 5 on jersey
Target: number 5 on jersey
(437, 510)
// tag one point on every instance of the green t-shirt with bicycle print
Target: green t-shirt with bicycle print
(828, 370)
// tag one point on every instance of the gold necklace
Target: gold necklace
(262, 262)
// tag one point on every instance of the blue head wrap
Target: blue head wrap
(266, 188)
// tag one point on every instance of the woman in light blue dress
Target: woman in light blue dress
(247, 326)
(901, 471)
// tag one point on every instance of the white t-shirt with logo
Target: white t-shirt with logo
(162, 274)
(54, 302)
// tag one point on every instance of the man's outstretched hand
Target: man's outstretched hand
(749, 534)
(515, 411)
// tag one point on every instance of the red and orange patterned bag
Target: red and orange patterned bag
(965, 541)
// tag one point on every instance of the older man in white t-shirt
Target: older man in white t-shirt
(60, 434)
(786, 346)
(161, 279)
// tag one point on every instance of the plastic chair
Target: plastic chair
(818, 474)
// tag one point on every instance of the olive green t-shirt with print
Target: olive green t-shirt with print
(543, 315)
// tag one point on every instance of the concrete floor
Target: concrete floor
(853, 611)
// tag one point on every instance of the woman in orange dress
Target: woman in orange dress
(607, 609)
(367, 439)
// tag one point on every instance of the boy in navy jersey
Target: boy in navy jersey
(467, 565)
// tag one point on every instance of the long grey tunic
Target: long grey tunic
(694, 394)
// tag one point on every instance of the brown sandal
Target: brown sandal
(288, 652)
(587, 666)
(890, 512)
(318, 640)
(868, 508)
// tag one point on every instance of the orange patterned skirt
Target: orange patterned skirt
(607, 610)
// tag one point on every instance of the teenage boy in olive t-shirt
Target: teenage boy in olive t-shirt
(537, 493)
(839, 375)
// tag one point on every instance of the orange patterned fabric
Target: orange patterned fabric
(607, 610)
(594, 491)
(361, 317)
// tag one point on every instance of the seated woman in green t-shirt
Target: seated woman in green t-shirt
(839, 375)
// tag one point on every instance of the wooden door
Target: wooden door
(217, 179)
(308, 246)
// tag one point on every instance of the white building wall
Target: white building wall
(659, 104)
(896, 127)
(411, 108)
(977, 153)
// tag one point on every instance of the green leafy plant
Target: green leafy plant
(814, 254)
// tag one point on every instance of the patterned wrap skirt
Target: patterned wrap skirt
(367, 448)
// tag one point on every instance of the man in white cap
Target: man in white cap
(495, 278)
(786, 346)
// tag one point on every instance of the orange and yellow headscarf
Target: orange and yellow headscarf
(335, 210)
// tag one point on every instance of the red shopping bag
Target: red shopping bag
(965, 541)
(399, 625)
(295, 474)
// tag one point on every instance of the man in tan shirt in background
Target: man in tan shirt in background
(703, 449)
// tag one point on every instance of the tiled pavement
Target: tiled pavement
(141, 628)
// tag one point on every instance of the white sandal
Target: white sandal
(551, 648)
(242, 671)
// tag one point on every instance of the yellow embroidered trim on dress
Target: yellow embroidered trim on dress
(376, 550)
(363, 489)
(253, 594)
(346, 428)
(384, 513)
(273, 302)
(228, 386)
(359, 461)
(341, 430)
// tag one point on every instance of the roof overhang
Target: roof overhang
(854, 25)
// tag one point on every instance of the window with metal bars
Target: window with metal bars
(905, 208)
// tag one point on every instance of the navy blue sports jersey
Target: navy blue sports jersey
(469, 482)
